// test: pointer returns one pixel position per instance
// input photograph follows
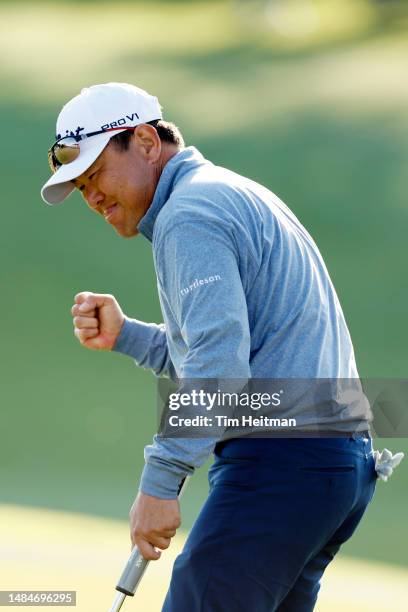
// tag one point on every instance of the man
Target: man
(245, 295)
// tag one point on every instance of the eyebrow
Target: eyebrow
(73, 181)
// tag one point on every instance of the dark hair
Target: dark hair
(168, 132)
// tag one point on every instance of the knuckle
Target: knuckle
(81, 296)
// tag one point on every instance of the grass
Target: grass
(48, 550)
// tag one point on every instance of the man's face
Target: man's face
(120, 185)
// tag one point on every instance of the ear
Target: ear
(147, 140)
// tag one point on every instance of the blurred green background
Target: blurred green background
(307, 97)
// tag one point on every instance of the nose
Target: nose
(93, 197)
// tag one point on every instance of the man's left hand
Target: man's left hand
(153, 522)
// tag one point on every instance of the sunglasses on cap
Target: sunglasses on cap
(67, 149)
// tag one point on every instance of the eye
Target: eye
(81, 187)
(91, 176)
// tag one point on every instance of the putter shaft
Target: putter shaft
(118, 601)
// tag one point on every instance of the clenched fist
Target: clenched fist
(98, 319)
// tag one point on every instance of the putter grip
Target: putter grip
(136, 565)
(132, 574)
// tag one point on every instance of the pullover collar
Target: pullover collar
(177, 166)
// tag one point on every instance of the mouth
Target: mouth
(109, 212)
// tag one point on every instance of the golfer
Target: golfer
(245, 295)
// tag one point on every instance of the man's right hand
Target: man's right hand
(98, 319)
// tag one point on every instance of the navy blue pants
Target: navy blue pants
(278, 511)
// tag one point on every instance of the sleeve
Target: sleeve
(197, 265)
(146, 343)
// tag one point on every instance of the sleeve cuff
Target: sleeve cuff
(161, 480)
(133, 338)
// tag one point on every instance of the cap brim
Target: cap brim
(59, 186)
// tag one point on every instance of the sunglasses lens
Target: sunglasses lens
(52, 162)
(63, 152)
(66, 151)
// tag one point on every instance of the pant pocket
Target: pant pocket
(326, 469)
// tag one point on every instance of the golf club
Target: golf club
(133, 571)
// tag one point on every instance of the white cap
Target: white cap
(96, 108)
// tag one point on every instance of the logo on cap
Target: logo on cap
(119, 122)
(71, 133)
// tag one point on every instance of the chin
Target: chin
(126, 233)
